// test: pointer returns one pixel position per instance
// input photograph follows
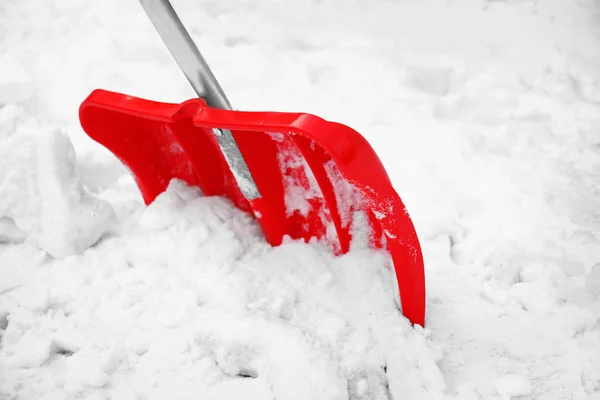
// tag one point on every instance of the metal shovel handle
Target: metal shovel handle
(184, 51)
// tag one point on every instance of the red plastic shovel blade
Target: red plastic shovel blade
(314, 177)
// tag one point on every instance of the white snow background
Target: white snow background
(486, 115)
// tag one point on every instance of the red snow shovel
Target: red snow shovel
(297, 174)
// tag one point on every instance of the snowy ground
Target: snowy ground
(487, 117)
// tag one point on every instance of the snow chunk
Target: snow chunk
(10, 232)
(84, 370)
(41, 194)
(162, 213)
(361, 387)
(15, 82)
(412, 372)
(31, 351)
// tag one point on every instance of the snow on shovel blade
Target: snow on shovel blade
(314, 177)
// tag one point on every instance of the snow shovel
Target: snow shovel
(297, 174)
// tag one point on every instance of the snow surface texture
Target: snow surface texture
(486, 115)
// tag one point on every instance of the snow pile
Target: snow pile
(41, 197)
(188, 298)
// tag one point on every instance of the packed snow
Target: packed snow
(486, 115)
